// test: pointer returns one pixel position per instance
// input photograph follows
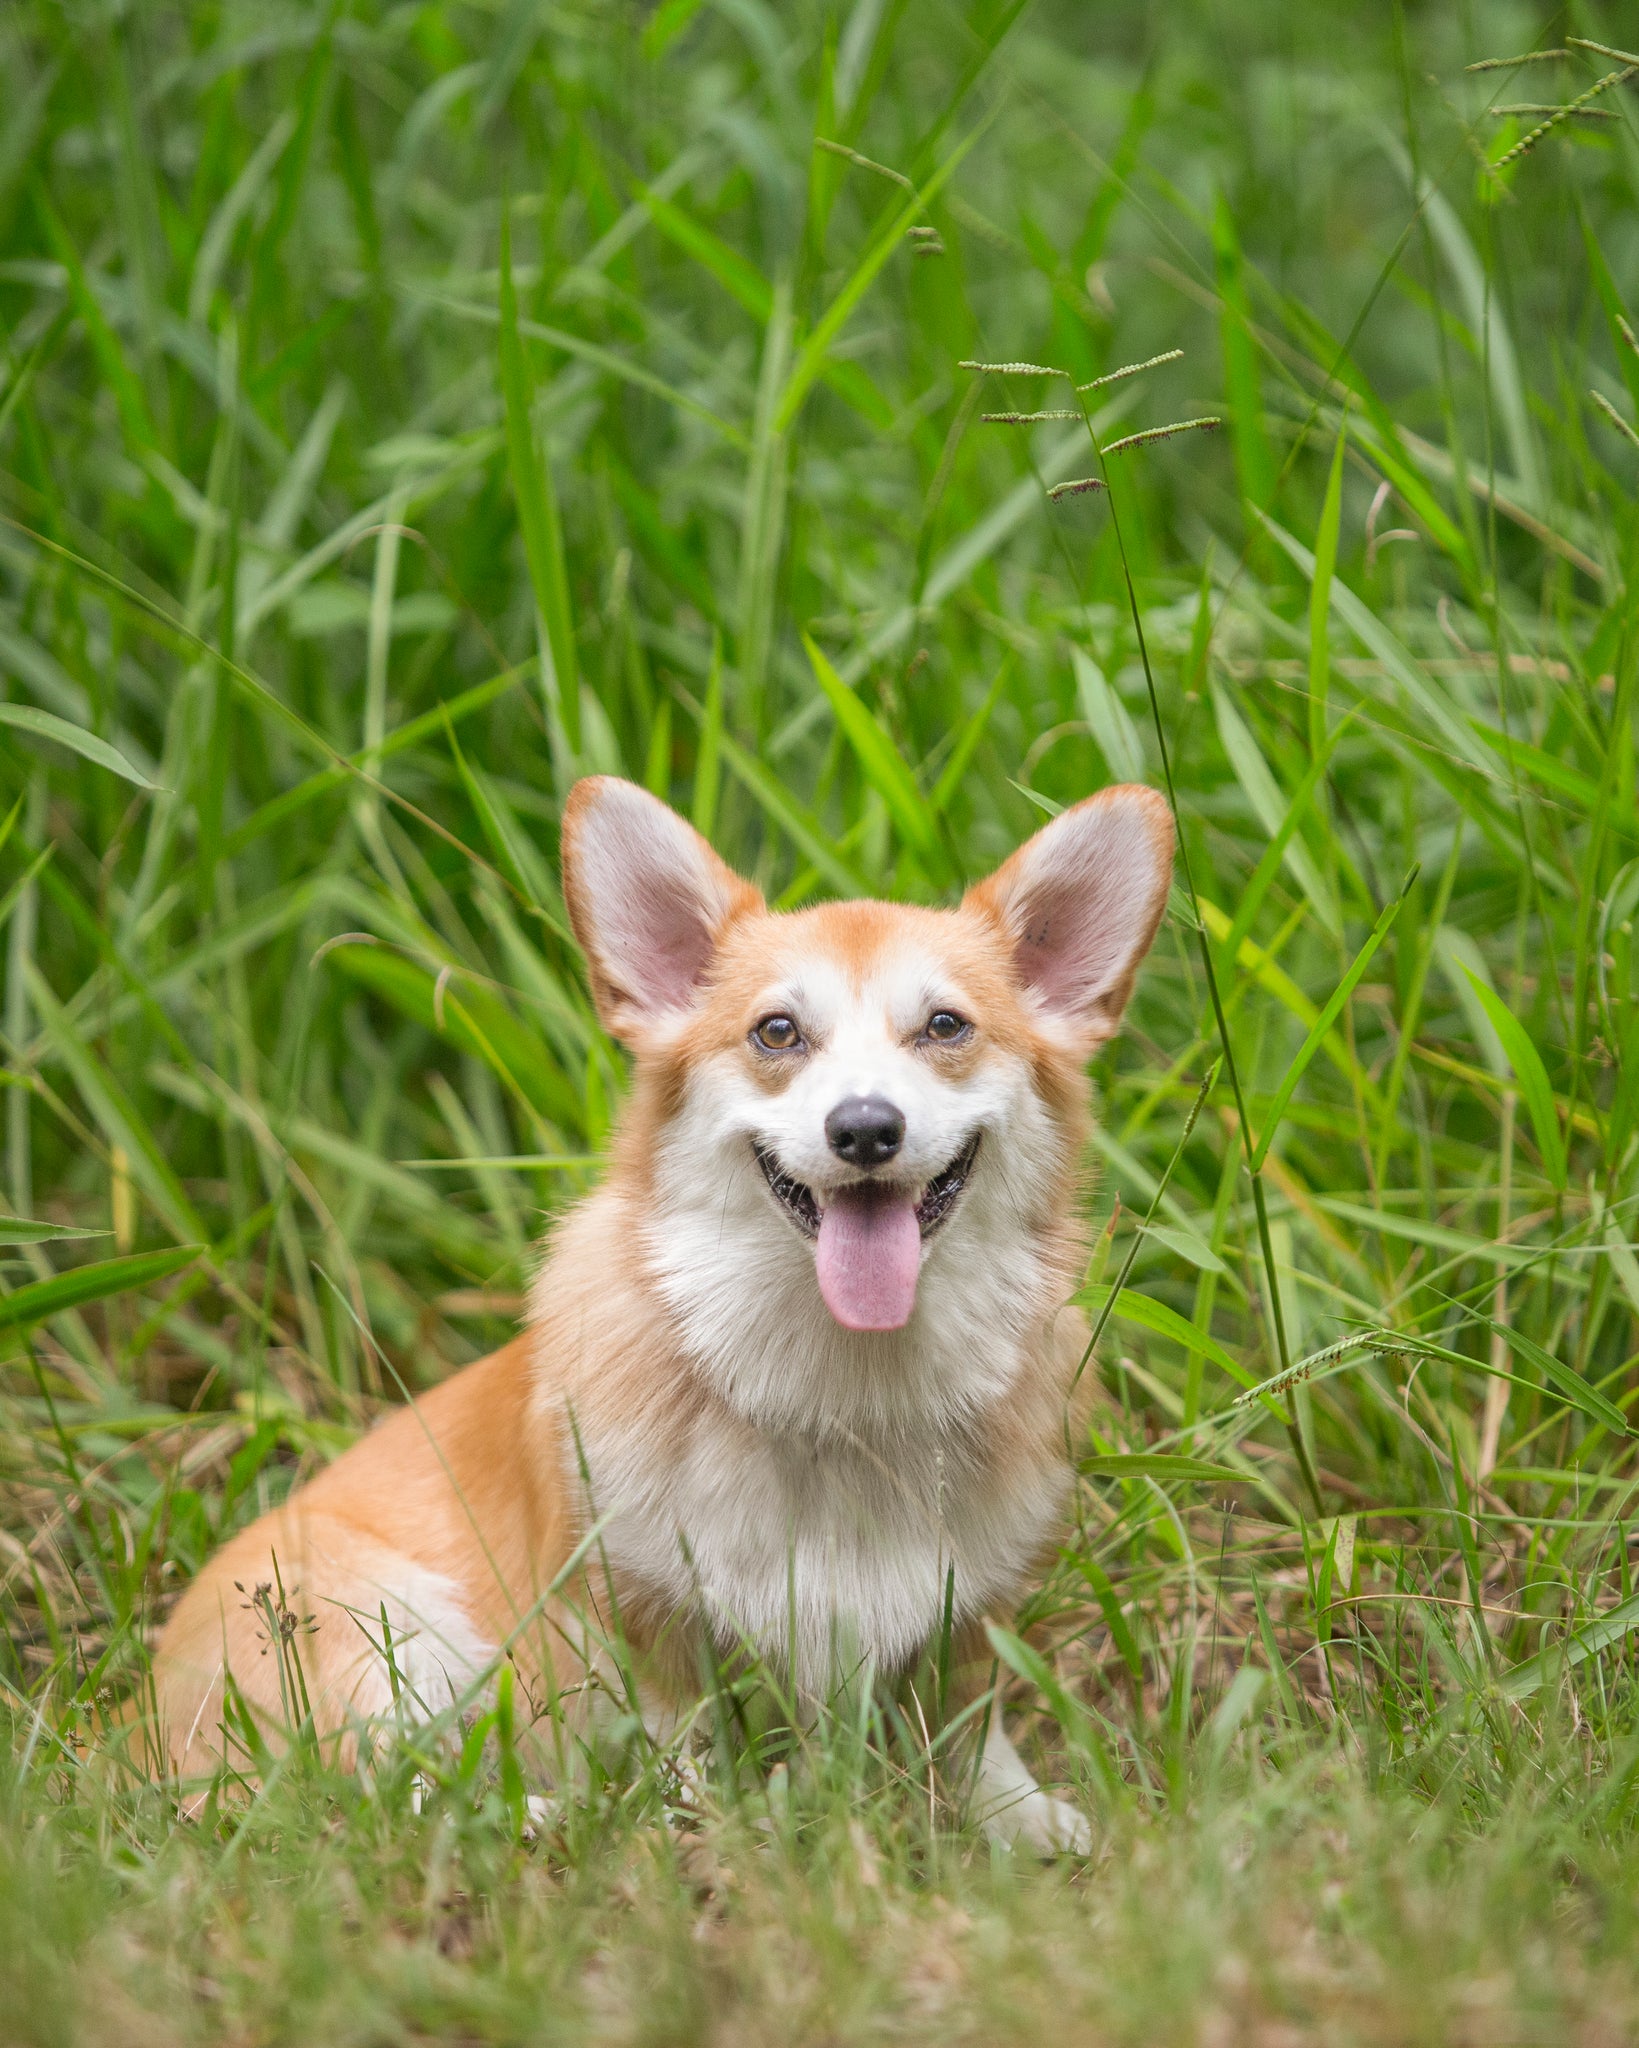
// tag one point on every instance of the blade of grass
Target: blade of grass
(1324, 1022)
(1320, 593)
(1532, 1076)
(954, 772)
(537, 504)
(883, 765)
(42, 1298)
(708, 759)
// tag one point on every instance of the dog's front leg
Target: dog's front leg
(1007, 1802)
(1012, 1807)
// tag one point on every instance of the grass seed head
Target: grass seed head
(1529, 110)
(1511, 63)
(1614, 416)
(1572, 110)
(864, 163)
(1207, 425)
(1602, 50)
(1171, 355)
(1012, 369)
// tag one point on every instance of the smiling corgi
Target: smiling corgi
(798, 1366)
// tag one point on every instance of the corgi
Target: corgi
(794, 1378)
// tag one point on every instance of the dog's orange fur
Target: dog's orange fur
(453, 1482)
(476, 1481)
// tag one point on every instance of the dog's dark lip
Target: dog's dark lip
(793, 1195)
(939, 1197)
(941, 1194)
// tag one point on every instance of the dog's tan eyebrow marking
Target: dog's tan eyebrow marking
(790, 1001)
(940, 995)
(777, 995)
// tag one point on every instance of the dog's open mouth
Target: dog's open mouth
(937, 1200)
(868, 1236)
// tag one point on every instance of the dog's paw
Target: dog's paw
(541, 1816)
(1063, 1829)
(1041, 1825)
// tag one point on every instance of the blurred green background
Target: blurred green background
(407, 408)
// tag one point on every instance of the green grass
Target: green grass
(404, 409)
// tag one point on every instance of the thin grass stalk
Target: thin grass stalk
(1162, 1184)
(1497, 1389)
(763, 521)
(1277, 1320)
(19, 961)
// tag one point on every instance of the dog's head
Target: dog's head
(861, 1118)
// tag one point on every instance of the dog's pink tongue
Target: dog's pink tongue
(870, 1246)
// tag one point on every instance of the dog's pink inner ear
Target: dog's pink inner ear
(1082, 901)
(656, 936)
(648, 900)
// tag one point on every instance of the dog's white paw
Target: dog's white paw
(1017, 1812)
(1041, 1825)
(541, 1816)
(1055, 1828)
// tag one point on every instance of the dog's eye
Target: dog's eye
(777, 1034)
(944, 1027)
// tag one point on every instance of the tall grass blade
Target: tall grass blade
(45, 725)
(85, 1284)
(1532, 1076)
(537, 503)
(1327, 1018)
(883, 765)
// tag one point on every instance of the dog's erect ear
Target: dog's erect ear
(1080, 903)
(648, 900)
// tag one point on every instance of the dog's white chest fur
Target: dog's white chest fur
(834, 1551)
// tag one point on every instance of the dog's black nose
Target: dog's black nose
(865, 1130)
